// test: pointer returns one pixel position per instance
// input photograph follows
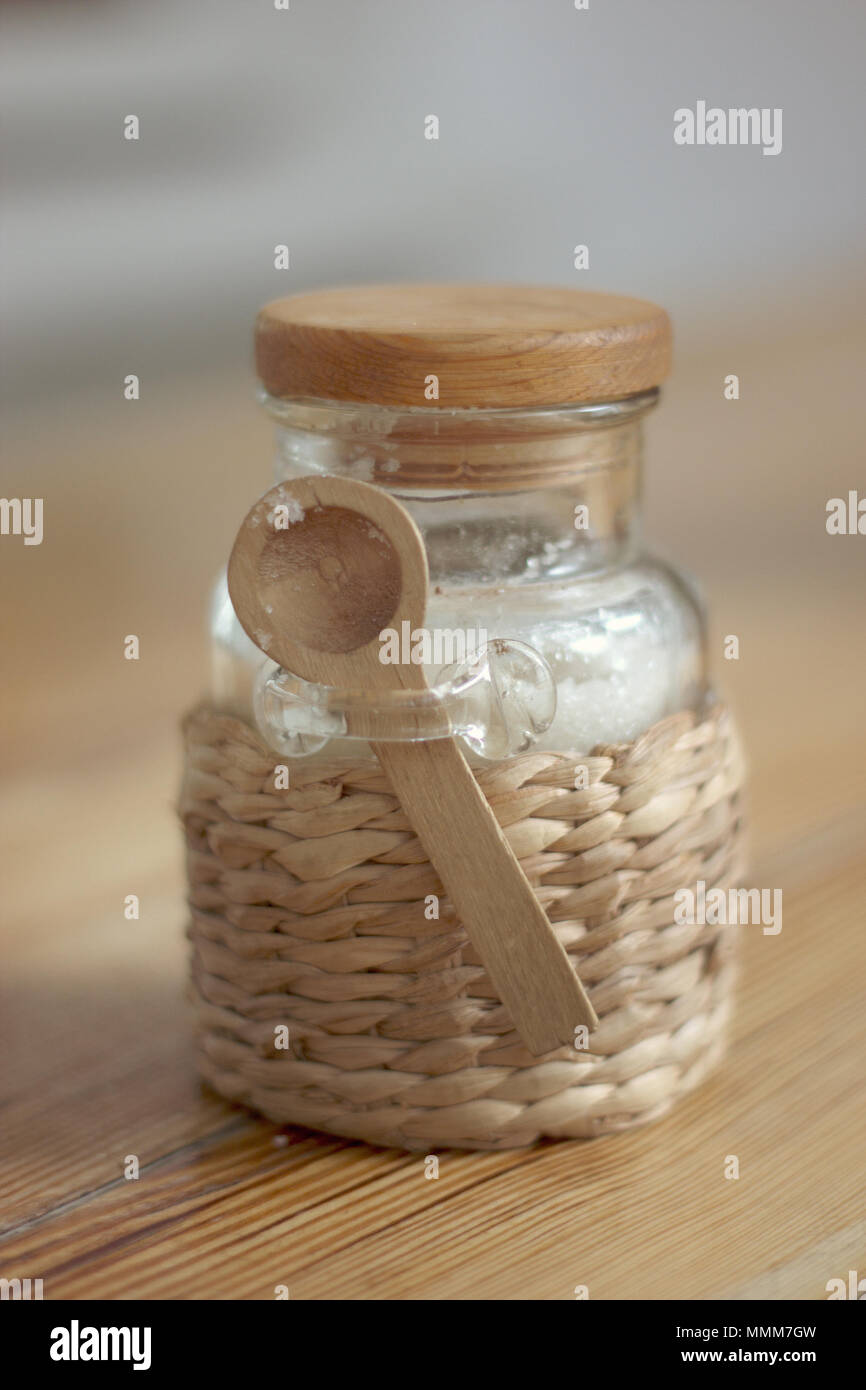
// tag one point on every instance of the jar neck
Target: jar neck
(501, 497)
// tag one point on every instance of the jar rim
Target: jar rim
(482, 450)
(573, 413)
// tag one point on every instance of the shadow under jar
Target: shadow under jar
(571, 664)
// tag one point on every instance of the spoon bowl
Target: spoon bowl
(320, 568)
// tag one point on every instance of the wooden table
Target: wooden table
(97, 1055)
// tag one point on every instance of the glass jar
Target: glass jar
(509, 424)
(531, 520)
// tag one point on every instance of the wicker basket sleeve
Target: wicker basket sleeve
(312, 911)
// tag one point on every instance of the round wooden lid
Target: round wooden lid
(488, 346)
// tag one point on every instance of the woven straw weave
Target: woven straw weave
(308, 909)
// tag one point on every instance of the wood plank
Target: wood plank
(648, 1214)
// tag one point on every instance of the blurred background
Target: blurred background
(306, 127)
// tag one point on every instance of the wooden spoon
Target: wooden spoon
(320, 567)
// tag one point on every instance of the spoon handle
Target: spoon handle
(527, 965)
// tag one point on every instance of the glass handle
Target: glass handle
(498, 702)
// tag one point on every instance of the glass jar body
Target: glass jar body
(531, 523)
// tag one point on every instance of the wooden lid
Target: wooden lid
(489, 346)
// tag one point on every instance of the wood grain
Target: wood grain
(495, 346)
